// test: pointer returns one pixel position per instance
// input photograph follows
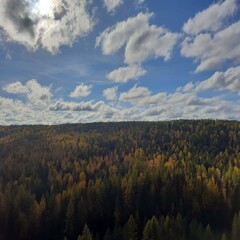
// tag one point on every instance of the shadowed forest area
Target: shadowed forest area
(121, 181)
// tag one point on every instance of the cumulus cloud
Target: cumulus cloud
(141, 96)
(81, 91)
(212, 40)
(10, 104)
(111, 5)
(134, 94)
(38, 95)
(191, 106)
(187, 88)
(28, 23)
(16, 88)
(13, 111)
(99, 108)
(141, 40)
(16, 112)
(212, 18)
(110, 93)
(143, 106)
(165, 106)
(124, 74)
(228, 80)
(72, 106)
(213, 50)
(152, 99)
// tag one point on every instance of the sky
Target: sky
(78, 61)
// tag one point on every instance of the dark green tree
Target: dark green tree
(131, 229)
(86, 235)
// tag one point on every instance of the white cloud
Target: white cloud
(72, 106)
(100, 109)
(111, 5)
(38, 95)
(214, 50)
(141, 40)
(212, 18)
(81, 91)
(16, 88)
(190, 106)
(143, 106)
(17, 112)
(228, 80)
(177, 105)
(153, 99)
(141, 96)
(10, 104)
(134, 94)
(140, 1)
(124, 74)
(187, 88)
(26, 24)
(110, 93)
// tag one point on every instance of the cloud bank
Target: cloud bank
(137, 103)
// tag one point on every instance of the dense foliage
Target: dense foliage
(110, 181)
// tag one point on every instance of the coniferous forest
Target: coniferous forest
(175, 180)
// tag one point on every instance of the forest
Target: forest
(173, 180)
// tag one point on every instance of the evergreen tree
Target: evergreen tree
(108, 235)
(224, 237)
(208, 234)
(86, 235)
(236, 227)
(69, 222)
(130, 229)
(151, 230)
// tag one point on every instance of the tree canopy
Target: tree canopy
(132, 180)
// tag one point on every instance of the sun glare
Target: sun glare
(44, 8)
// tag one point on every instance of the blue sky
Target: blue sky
(116, 60)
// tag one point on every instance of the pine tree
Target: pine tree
(151, 230)
(224, 237)
(108, 235)
(208, 234)
(69, 225)
(130, 229)
(236, 227)
(86, 235)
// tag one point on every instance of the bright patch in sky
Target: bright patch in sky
(45, 7)
(42, 8)
(67, 61)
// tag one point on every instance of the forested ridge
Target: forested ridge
(121, 181)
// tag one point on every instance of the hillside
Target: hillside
(127, 180)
